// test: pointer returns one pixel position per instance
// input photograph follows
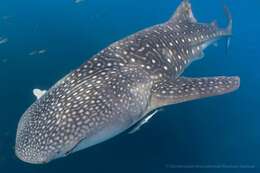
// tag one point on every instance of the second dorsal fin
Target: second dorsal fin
(184, 13)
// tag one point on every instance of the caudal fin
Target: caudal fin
(228, 29)
(230, 20)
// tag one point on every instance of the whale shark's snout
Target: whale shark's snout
(32, 145)
(41, 136)
(30, 150)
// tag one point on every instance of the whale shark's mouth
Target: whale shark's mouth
(34, 157)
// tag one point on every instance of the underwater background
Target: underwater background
(43, 40)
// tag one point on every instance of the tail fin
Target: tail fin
(230, 20)
(228, 29)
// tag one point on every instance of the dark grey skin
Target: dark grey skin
(119, 86)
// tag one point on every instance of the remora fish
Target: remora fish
(119, 86)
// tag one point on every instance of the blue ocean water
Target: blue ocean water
(218, 134)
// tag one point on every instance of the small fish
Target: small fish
(33, 53)
(39, 93)
(119, 86)
(42, 51)
(78, 1)
(37, 52)
(6, 17)
(142, 122)
(3, 40)
(4, 60)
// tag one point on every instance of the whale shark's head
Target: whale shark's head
(41, 136)
(53, 125)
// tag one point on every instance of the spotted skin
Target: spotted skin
(75, 109)
(119, 86)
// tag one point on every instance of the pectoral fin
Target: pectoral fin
(185, 89)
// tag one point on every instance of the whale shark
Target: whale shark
(121, 87)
